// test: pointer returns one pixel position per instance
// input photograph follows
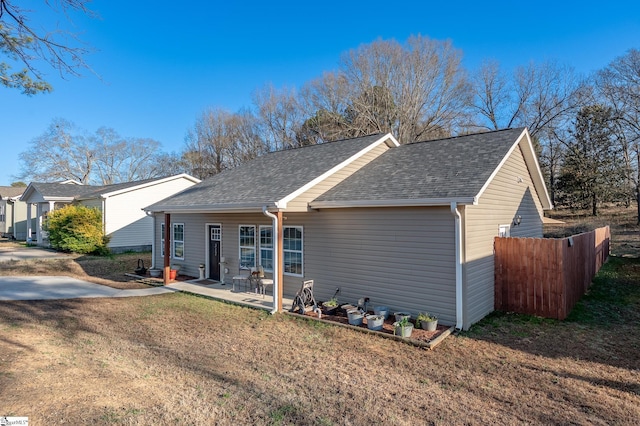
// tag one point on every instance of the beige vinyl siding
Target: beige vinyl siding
(19, 220)
(400, 258)
(300, 203)
(125, 221)
(93, 203)
(505, 198)
(196, 239)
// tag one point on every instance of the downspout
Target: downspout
(458, 245)
(276, 259)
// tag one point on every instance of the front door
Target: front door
(214, 252)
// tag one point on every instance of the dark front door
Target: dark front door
(214, 252)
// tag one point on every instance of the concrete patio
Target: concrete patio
(226, 292)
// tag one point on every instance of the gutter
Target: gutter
(458, 248)
(276, 259)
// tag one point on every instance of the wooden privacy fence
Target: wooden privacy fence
(545, 276)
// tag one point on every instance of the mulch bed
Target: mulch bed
(418, 335)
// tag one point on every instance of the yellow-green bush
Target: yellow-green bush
(77, 229)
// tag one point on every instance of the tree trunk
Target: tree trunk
(594, 205)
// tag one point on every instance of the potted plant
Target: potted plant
(400, 315)
(381, 310)
(427, 321)
(375, 322)
(330, 306)
(403, 328)
(355, 316)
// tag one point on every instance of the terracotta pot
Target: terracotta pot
(173, 273)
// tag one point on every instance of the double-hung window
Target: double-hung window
(266, 248)
(292, 250)
(178, 241)
(247, 243)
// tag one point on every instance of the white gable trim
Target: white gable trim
(147, 184)
(388, 138)
(524, 141)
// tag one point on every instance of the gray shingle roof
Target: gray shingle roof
(266, 179)
(62, 190)
(452, 168)
(105, 189)
(10, 191)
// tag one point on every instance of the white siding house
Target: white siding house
(124, 219)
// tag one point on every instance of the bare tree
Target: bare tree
(619, 85)
(22, 44)
(120, 159)
(280, 116)
(538, 97)
(324, 102)
(60, 153)
(221, 140)
(66, 152)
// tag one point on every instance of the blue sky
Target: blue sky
(161, 63)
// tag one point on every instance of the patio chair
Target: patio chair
(262, 282)
(304, 299)
(242, 277)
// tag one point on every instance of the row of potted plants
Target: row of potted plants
(402, 326)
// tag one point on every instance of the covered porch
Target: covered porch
(227, 293)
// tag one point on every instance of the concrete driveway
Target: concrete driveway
(56, 287)
(14, 252)
(50, 287)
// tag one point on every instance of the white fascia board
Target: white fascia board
(150, 183)
(536, 175)
(418, 202)
(64, 199)
(388, 138)
(219, 208)
(27, 193)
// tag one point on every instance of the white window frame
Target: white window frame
(504, 231)
(267, 248)
(176, 241)
(293, 251)
(247, 247)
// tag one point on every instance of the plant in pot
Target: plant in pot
(375, 322)
(427, 321)
(403, 328)
(330, 306)
(355, 316)
(400, 315)
(381, 310)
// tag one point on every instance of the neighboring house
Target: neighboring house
(409, 226)
(13, 213)
(124, 220)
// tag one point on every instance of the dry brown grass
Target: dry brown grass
(625, 232)
(181, 359)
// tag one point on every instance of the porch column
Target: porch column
(39, 208)
(167, 246)
(280, 260)
(29, 227)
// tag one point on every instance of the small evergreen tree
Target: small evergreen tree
(77, 229)
(592, 172)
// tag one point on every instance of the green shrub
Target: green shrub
(77, 229)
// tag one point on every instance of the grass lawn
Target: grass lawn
(181, 359)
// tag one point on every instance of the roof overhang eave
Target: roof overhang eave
(418, 202)
(219, 208)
